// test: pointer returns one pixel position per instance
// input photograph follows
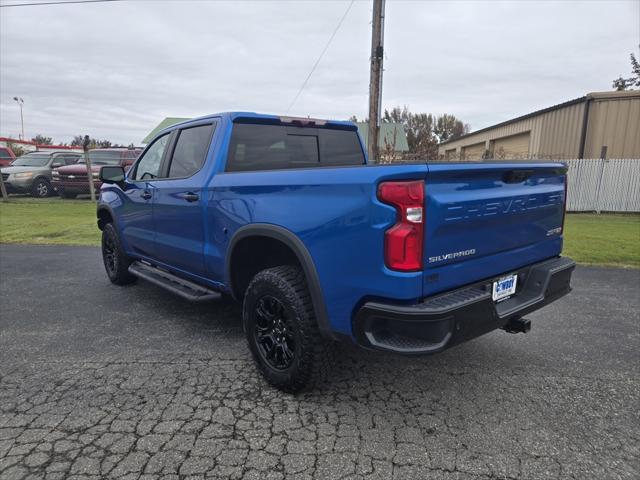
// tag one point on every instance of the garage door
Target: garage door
(474, 152)
(515, 146)
(450, 154)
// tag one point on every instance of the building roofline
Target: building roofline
(37, 145)
(588, 96)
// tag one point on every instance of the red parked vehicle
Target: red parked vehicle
(6, 156)
(70, 181)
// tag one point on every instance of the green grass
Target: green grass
(52, 221)
(611, 240)
(607, 239)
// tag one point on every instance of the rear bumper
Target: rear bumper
(447, 319)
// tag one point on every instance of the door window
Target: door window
(148, 167)
(190, 151)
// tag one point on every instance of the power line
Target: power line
(35, 4)
(304, 84)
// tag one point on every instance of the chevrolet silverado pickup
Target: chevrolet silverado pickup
(286, 216)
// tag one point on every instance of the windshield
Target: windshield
(32, 160)
(104, 158)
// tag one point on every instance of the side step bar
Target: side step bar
(184, 288)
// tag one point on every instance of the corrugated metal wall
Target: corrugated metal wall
(613, 120)
(560, 132)
(603, 185)
(554, 134)
(615, 123)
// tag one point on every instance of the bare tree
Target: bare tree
(42, 140)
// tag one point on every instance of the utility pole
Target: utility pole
(20, 103)
(375, 79)
(87, 161)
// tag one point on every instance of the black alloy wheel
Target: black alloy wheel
(109, 255)
(274, 333)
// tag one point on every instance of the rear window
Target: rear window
(273, 147)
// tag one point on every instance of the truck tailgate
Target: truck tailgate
(485, 219)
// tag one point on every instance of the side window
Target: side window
(340, 147)
(149, 165)
(4, 154)
(271, 147)
(190, 151)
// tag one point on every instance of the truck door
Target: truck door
(178, 200)
(137, 214)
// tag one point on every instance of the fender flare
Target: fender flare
(103, 207)
(302, 254)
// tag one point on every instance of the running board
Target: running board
(184, 288)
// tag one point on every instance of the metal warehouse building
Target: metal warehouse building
(598, 125)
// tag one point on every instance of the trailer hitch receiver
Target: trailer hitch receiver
(517, 325)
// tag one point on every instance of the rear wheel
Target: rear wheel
(41, 188)
(116, 262)
(281, 329)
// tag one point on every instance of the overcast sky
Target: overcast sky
(114, 70)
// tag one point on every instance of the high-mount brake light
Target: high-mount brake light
(303, 122)
(403, 243)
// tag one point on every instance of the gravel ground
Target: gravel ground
(98, 381)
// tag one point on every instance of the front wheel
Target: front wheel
(41, 188)
(116, 262)
(281, 329)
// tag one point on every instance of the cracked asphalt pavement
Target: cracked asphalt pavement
(99, 381)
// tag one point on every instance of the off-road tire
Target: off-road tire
(41, 188)
(312, 352)
(116, 262)
(65, 194)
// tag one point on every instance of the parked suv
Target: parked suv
(6, 156)
(72, 180)
(31, 173)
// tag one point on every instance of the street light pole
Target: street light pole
(20, 103)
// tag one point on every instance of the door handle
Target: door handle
(146, 195)
(190, 197)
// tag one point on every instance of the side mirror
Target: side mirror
(112, 174)
(57, 164)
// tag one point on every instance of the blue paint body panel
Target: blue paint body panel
(335, 212)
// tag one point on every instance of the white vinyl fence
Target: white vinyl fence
(597, 185)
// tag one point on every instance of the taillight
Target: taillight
(404, 241)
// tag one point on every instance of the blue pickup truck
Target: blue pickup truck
(284, 215)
